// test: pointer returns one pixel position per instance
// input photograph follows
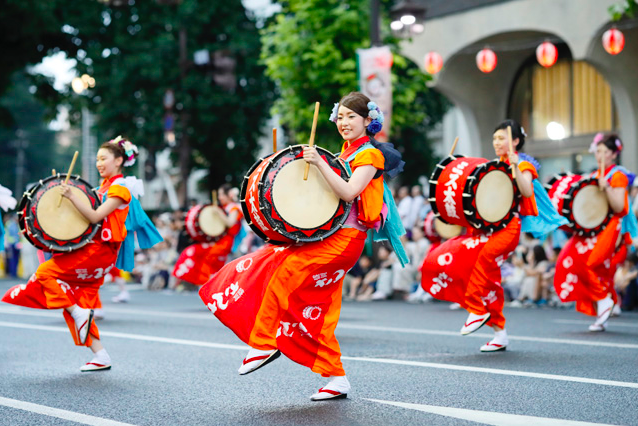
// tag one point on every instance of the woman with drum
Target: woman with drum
(287, 298)
(214, 228)
(466, 269)
(71, 280)
(586, 265)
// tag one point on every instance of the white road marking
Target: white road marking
(467, 368)
(487, 417)
(60, 414)
(342, 325)
(612, 323)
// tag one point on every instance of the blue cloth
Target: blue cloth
(548, 218)
(391, 228)
(1, 236)
(238, 239)
(137, 223)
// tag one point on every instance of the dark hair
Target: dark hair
(116, 149)
(517, 131)
(357, 102)
(539, 254)
(225, 188)
(611, 141)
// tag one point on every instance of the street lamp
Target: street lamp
(89, 144)
(407, 18)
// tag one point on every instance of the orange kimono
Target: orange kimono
(289, 297)
(466, 269)
(75, 277)
(586, 265)
(199, 261)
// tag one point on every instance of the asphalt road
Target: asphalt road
(175, 364)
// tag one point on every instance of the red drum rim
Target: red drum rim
(469, 200)
(28, 221)
(269, 210)
(568, 209)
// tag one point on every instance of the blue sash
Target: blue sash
(391, 228)
(629, 224)
(548, 218)
(1, 235)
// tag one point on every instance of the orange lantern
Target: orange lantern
(613, 41)
(433, 62)
(546, 54)
(486, 60)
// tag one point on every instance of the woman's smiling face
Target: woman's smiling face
(351, 126)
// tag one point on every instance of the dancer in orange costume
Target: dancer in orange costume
(287, 299)
(70, 281)
(199, 261)
(586, 265)
(466, 269)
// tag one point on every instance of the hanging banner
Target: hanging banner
(375, 66)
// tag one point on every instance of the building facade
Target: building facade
(585, 92)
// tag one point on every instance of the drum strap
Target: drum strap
(391, 228)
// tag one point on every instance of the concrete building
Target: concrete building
(586, 91)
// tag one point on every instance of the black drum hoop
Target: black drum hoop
(568, 209)
(434, 178)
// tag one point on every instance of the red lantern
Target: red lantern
(486, 60)
(433, 62)
(613, 41)
(546, 54)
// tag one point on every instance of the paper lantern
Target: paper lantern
(613, 41)
(546, 54)
(486, 60)
(433, 62)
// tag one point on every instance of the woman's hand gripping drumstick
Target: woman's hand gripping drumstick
(65, 189)
(513, 157)
(523, 179)
(311, 142)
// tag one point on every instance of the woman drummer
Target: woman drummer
(70, 281)
(469, 266)
(297, 288)
(586, 265)
(199, 261)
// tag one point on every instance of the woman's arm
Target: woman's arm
(523, 178)
(93, 216)
(229, 220)
(616, 198)
(349, 190)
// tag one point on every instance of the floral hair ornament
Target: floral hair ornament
(618, 144)
(523, 132)
(334, 113)
(130, 150)
(597, 139)
(377, 118)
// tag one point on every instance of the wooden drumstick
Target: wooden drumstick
(509, 137)
(602, 170)
(53, 172)
(214, 197)
(274, 139)
(454, 146)
(311, 142)
(68, 175)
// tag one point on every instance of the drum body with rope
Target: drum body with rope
(435, 229)
(57, 229)
(581, 202)
(204, 224)
(281, 207)
(473, 192)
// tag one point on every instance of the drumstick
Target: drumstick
(509, 137)
(602, 170)
(274, 139)
(311, 142)
(53, 172)
(214, 197)
(454, 146)
(68, 175)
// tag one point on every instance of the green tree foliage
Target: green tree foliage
(628, 8)
(309, 51)
(29, 130)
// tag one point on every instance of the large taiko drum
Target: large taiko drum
(52, 228)
(281, 207)
(435, 229)
(473, 192)
(581, 202)
(204, 224)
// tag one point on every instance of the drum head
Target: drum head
(494, 196)
(447, 231)
(305, 204)
(210, 222)
(590, 207)
(65, 222)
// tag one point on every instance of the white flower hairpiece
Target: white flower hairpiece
(130, 150)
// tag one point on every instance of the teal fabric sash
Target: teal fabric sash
(548, 218)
